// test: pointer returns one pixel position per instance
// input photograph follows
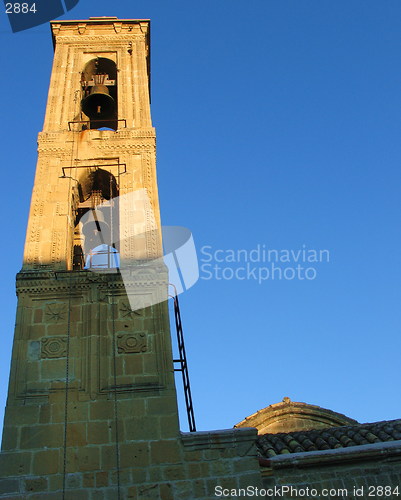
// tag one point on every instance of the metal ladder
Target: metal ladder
(182, 361)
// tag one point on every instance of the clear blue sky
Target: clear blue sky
(278, 124)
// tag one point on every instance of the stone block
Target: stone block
(133, 364)
(56, 480)
(184, 489)
(166, 452)
(76, 411)
(101, 410)
(245, 464)
(166, 491)
(37, 484)
(9, 486)
(15, 463)
(140, 475)
(33, 353)
(88, 458)
(83, 459)
(193, 455)
(32, 374)
(10, 438)
(155, 473)
(76, 314)
(133, 407)
(102, 479)
(39, 436)
(43, 496)
(148, 492)
(44, 414)
(199, 488)
(149, 363)
(99, 432)
(76, 435)
(78, 494)
(193, 470)
(251, 478)
(221, 467)
(124, 475)
(46, 462)
(165, 405)
(21, 415)
(37, 316)
(88, 480)
(174, 472)
(141, 428)
(57, 329)
(100, 494)
(108, 457)
(53, 369)
(73, 480)
(135, 454)
(169, 426)
(36, 332)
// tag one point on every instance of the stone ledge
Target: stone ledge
(244, 439)
(358, 454)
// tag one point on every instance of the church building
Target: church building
(92, 409)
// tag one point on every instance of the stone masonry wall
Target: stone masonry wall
(350, 473)
(187, 468)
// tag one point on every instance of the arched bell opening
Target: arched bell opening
(96, 233)
(99, 93)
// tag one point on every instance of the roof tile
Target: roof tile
(270, 445)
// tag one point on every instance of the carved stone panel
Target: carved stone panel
(54, 347)
(131, 343)
(56, 312)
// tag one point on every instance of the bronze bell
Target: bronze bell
(99, 105)
(95, 228)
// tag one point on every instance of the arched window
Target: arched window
(97, 222)
(99, 93)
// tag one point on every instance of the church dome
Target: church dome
(291, 416)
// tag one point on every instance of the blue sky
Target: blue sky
(278, 124)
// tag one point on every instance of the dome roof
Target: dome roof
(290, 416)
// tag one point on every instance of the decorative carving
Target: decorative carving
(38, 208)
(131, 343)
(62, 208)
(127, 312)
(57, 240)
(56, 28)
(54, 347)
(56, 312)
(117, 27)
(108, 40)
(81, 28)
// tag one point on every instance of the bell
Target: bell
(99, 105)
(95, 228)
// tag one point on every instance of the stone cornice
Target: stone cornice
(242, 439)
(122, 140)
(101, 28)
(136, 276)
(367, 452)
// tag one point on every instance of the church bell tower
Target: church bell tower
(91, 401)
(92, 411)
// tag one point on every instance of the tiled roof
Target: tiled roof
(330, 438)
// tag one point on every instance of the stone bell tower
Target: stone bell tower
(91, 410)
(91, 391)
